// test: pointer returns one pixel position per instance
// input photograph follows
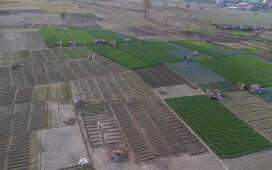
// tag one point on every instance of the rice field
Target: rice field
(219, 128)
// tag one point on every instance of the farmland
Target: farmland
(252, 110)
(242, 68)
(204, 47)
(54, 34)
(220, 129)
(138, 55)
(58, 102)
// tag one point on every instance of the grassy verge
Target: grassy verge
(220, 129)
(242, 68)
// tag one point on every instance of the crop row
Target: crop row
(44, 55)
(242, 68)
(219, 128)
(52, 35)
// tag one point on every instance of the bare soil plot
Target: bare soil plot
(160, 76)
(250, 162)
(177, 91)
(62, 147)
(17, 124)
(14, 41)
(251, 109)
(205, 161)
(60, 112)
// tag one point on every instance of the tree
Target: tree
(147, 6)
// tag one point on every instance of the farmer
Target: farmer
(76, 102)
(91, 56)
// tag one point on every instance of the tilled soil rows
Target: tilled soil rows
(17, 124)
(15, 95)
(59, 71)
(160, 76)
(125, 86)
(15, 41)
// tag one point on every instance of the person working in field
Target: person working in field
(187, 58)
(91, 56)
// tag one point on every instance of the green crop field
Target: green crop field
(147, 53)
(118, 56)
(204, 47)
(53, 34)
(220, 129)
(242, 68)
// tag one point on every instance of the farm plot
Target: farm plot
(204, 47)
(57, 71)
(220, 129)
(53, 91)
(267, 94)
(160, 76)
(5, 58)
(44, 55)
(167, 92)
(148, 122)
(5, 79)
(15, 95)
(125, 86)
(101, 126)
(242, 68)
(251, 109)
(197, 73)
(182, 52)
(17, 124)
(52, 35)
(14, 41)
(151, 128)
(147, 53)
